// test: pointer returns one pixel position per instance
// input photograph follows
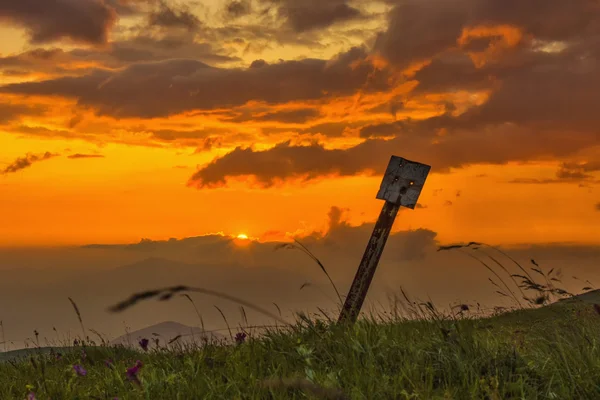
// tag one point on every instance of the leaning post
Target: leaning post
(401, 187)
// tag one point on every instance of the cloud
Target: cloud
(578, 171)
(436, 25)
(307, 15)
(79, 156)
(10, 112)
(598, 206)
(571, 172)
(168, 16)
(539, 104)
(296, 116)
(254, 272)
(86, 21)
(155, 89)
(146, 46)
(284, 161)
(492, 145)
(238, 8)
(25, 162)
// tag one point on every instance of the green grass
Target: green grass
(542, 351)
(530, 354)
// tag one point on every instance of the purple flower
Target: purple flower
(79, 370)
(144, 344)
(133, 371)
(240, 337)
(83, 355)
(109, 363)
(31, 396)
(58, 356)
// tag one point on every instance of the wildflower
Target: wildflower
(75, 342)
(109, 363)
(133, 371)
(58, 356)
(240, 337)
(79, 370)
(144, 344)
(31, 396)
(83, 355)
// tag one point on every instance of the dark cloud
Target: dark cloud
(173, 86)
(168, 16)
(281, 162)
(31, 57)
(597, 206)
(435, 25)
(209, 143)
(453, 71)
(79, 156)
(238, 8)
(578, 171)
(129, 7)
(575, 173)
(314, 14)
(25, 162)
(492, 145)
(145, 47)
(11, 112)
(86, 21)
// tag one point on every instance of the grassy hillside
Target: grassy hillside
(547, 353)
(544, 348)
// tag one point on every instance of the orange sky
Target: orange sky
(130, 154)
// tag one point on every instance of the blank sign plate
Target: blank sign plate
(403, 182)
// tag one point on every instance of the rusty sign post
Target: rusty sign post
(401, 186)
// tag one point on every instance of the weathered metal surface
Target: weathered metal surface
(401, 187)
(403, 182)
(368, 265)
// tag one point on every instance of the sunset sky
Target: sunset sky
(129, 119)
(140, 138)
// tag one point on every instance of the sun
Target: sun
(242, 236)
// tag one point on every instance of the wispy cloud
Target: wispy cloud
(25, 162)
(78, 155)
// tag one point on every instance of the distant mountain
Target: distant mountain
(165, 332)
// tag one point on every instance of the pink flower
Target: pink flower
(133, 371)
(79, 370)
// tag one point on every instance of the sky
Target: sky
(169, 121)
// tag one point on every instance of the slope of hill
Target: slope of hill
(165, 332)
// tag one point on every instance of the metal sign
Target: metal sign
(401, 186)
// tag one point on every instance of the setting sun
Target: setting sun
(242, 236)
